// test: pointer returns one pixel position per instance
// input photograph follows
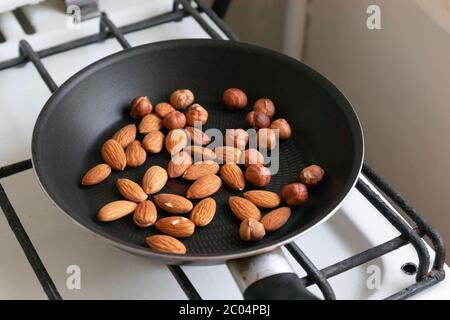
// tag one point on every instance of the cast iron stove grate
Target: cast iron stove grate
(428, 273)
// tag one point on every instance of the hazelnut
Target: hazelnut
(252, 156)
(197, 136)
(258, 175)
(235, 99)
(251, 230)
(182, 98)
(312, 175)
(140, 106)
(162, 109)
(196, 113)
(257, 120)
(237, 138)
(295, 194)
(174, 120)
(266, 138)
(282, 128)
(265, 106)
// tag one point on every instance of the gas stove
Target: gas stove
(367, 250)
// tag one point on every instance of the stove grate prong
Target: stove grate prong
(106, 23)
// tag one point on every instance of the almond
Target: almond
(116, 210)
(200, 169)
(149, 123)
(204, 187)
(201, 153)
(162, 109)
(153, 142)
(197, 136)
(243, 208)
(275, 219)
(165, 244)
(114, 155)
(233, 176)
(155, 178)
(135, 154)
(175, 226)
(179, 164)
(176, 140)
(173, 203)
(126, 135)
(263, 199)
(130, 190)
(145, 214)
(226, 154)
(203, 212)
(96, 174)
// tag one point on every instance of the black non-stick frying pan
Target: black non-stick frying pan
(87, 109)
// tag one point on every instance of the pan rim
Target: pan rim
(202, 259)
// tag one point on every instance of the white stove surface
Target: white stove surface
(106, 272)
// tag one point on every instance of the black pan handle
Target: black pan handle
(281, 286)
(268, 276)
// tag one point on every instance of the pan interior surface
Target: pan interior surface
(94, 103)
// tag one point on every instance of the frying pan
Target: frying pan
(88, 108)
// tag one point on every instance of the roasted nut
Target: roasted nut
(258, 175)
(114, 155)
(252, 156)
(164, 243)
(174, 120)
(162, 109)
(226, 154)
(233, 176)
(200, 169)
(182, 98)
(153, 142)
(149, 123)
(257, 120)
(312, 175)
(173, 203)
(295, 194)
(203, 212)
(179, 163)
(145, 214)
(174, 226)
(200, 153)
(125, 135)
(130, 190)
(176, 140)
(196, 114)
(197, 136)
(266, 139)
(251, 230)
(140, 106)
(237, 138)
(135, 154)
(204, 187)
(234, 99)
(155, 178)
(281, 128)
(96, 174)
(265, 106)
(275, 219)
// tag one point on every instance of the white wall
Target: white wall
(398, 80)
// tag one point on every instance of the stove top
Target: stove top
(354, 249)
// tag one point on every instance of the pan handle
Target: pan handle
(268, 277)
